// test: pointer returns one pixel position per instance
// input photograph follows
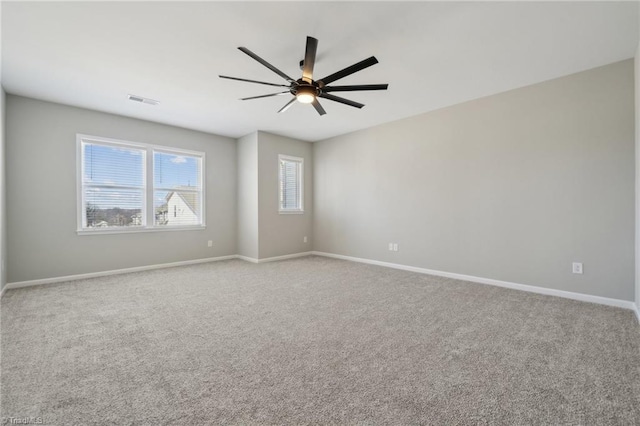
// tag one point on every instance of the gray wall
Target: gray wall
(3, 192)
(282, 234)
(248, 196)
(512, 187)
(637, 146)
(3, 189)
(41, 194)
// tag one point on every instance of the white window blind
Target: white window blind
(128, 186)
(290, 184)
(113, 185)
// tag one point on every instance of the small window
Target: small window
(290, 184)
(128, 186)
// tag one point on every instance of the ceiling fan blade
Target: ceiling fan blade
(265, 96)
(288, 105)
(265, 63)
(318, 107)
(309, 59)
(252, 81)
(348, 71)
(341, 100)
(355, 88)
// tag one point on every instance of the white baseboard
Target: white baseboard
(286, 256)
(275, 258)
(248, 259)
(524, 287)
(29, 283)
(42, 281)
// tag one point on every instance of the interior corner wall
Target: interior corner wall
(637, 159)
(3, 192)
(42, 199)
(513, 187)
(247, 162)
(3, 188)
(282, 234)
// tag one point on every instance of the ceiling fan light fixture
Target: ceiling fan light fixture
(306, 95)
(305, 98)
(306, 90)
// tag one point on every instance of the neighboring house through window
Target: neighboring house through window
(290, 184)
(184, 205)
(128, 186)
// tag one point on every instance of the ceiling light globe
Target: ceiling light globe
(306, 94)
(305, 98)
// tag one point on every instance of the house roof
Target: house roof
(191, 199)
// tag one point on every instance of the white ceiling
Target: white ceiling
(432, 55)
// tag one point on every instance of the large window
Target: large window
(127, 186)
(290, 184)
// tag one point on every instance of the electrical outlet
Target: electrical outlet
(210, 243)
(395, 246)
(576, 268)
(304, 240)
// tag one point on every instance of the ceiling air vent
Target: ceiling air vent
(140, 99)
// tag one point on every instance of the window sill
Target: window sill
(291, 211)
(139, 230)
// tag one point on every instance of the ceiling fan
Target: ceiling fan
(306, 90)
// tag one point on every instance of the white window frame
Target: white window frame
(148, 219)
(282, 157)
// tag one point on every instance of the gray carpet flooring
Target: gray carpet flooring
(312, 341)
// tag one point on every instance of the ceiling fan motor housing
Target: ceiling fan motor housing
(302, 87)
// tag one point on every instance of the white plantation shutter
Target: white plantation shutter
(290, 183)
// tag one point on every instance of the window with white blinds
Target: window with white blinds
(128, 186)
(290, 184)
